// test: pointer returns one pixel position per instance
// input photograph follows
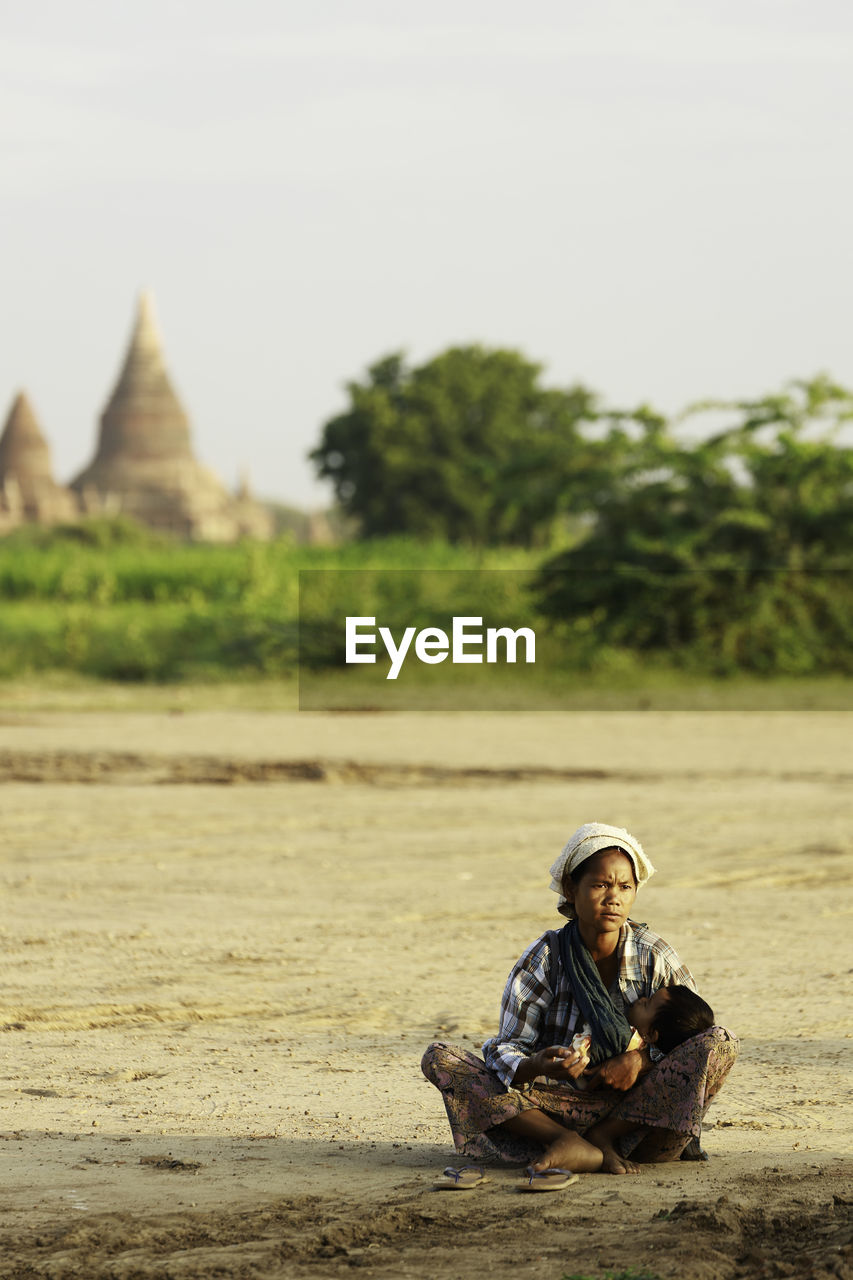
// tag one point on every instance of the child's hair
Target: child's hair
(683, 1015)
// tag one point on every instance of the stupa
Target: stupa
(28, 490)
(144, 465)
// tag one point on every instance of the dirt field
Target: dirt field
(229, 936)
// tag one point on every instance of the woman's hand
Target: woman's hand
(621, 1072)
(560, 1062)
(557, 1062)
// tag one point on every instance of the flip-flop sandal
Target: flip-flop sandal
(548, 1180)
(462, 1179)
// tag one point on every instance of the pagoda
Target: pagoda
(28, 491)
(144, 465)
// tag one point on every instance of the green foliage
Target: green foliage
(105, 531)
(429, 598)
(465, 447)
(146, 609)
(732, 554)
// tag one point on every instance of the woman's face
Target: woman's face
(605, 893)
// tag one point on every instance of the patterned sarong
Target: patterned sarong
(674, 1096)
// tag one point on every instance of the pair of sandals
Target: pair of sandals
(469, 1176)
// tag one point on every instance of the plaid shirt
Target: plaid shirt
(538, 1007)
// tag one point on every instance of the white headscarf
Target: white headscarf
(588, 840)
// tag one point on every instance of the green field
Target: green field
(112, 602)
(90, 612)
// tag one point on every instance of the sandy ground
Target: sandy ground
(228, 937)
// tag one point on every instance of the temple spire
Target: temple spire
(145, 342)
(144, 464)
(144, 418)
(24, 452)
(27, 487)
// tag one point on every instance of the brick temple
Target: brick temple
(144, 466)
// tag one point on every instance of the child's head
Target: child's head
(671, 1016)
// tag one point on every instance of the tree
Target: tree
(738, 548)
(468, 446)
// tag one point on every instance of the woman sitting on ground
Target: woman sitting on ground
(522, 1104)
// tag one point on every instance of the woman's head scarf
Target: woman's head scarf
(588, 840)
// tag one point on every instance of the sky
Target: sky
(649, 197)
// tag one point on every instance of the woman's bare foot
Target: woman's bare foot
(570, 1151)
(564, 1149)
(603, 1136)
(612, 1162)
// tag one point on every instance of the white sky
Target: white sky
(652, 197)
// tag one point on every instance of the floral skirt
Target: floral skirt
(674, 1096)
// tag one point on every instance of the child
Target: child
(669, 1017)
(664, 1020)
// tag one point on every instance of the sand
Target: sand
(228, 937)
